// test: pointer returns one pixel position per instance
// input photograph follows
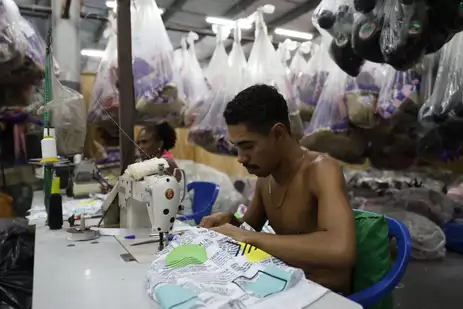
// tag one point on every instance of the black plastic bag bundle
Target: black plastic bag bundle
(16, 264)
(441, 116)
(336, 17)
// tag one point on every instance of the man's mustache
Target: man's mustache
(250, 166)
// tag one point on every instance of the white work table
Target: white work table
(92, 275)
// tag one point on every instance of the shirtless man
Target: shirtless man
(301, 193)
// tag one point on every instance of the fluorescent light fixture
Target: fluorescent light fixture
(94, 53)
(294, 34)
(243, 23)
(113, 5)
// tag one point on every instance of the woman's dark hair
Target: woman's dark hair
(166, 134)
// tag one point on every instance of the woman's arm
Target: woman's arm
(172, 166)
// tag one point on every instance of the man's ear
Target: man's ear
(278, 130)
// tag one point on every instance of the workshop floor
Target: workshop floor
(432, 285)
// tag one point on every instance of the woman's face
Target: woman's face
(148, 144)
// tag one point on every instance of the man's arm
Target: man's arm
(255, 214)
(334, 245)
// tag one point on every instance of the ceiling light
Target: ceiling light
(294, 34)
(113, 5)
(94, 53)
(243, 23)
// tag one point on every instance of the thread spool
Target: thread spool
(49, 152)
(55, 212)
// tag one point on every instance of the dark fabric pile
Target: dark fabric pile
(16, 264)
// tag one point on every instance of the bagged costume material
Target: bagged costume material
(193, 81)
(405, 33)
(312, 80)
(435, 206)
(335, 18)
(329, 130)
(228, 200)
(156, 94)
(266, 68)
(399, 94)
(298, 62)
(428, 239)
(362, 95)
(13, 44)
(442, 113)
(16, 264)
(68, 117)
(209, 129)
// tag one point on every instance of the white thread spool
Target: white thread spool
(49, 152)
(77, 159)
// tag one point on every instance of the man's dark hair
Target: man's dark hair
(164, 132)
(259, 107)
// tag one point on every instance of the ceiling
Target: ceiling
(180, 17)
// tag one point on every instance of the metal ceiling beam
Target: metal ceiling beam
(292, 14)
(237, 8)
(173, 8)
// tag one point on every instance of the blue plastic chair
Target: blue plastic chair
(205, 195)
(372, 295)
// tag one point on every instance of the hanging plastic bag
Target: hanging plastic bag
(265, 68)
(13, 44)
(284, 51)
(312, 80)
(399, 94)
(68, 117)
(213, 73)
(366, 31)
(209, 129)
(36, 46)
(336, 18)
(442, 113)
(362, 95)
(405, 31)
(194, 83)
(329, 130)
(104, 105)
(298, 62)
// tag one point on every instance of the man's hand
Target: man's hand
(216, 219)
(232, 231)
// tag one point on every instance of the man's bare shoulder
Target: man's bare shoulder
(321, 167)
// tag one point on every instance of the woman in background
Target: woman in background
(155, 141)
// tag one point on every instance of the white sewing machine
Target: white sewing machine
(149, 197)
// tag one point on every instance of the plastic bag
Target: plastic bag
(405, 33)
(265, 68)
(366, 30)
(13, 44)
(209, 129)
(68, 117)
(435, 206)
(399, 94)
(16, 264)
(156, 94)
(194, 83)
(214, 72)
(228, 199)
(362, 95)
(428, 239)
(313, 78)
(336, 18)
(298, 63)
(104, 104)
(329, 130)
(442, 113)
(36, 45)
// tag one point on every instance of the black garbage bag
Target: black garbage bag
(16, 264)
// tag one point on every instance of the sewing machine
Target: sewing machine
(83, 180)
(149, 199)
